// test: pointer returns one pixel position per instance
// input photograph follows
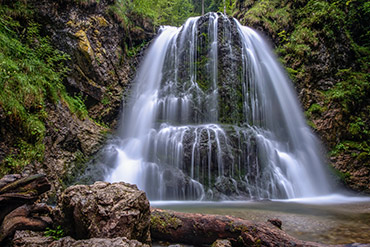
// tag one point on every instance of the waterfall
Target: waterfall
(212, 115)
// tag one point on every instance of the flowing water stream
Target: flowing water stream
(331, 220)
(213, 116)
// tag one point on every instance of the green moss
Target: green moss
(157, 223)
(105, 101)
(352, 90)
(133, 51)
(76, 105)
(31, 74)
(358, 127)
(311, 124)
(164, 222)
(273, 15)
(74, 169)
(343, 176)
(358, 150)
(315, 109)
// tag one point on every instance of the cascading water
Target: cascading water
(213, 116)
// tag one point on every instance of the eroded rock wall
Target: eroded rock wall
(103, 55)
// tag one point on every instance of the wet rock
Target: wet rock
(35, 239)
(221, 243)
(9, 179)
(69, 141)
(356, 245)
(276, 222)
(31, 217)
(105, 210)
(92, 36)
(17, 210)
(352, 173)
(225, 187)
(176, 185)
(16, 191)
(27, 238)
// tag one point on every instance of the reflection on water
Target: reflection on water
(342, 222)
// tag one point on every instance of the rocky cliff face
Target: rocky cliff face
(100, 71)
(98, 45)
(102, 60)
(329, 73)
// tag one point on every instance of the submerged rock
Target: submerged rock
(276, 222)
(105, 210)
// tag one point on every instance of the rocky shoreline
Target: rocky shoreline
(118, 214)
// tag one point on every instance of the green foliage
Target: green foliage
(105, 101)
(282, 36)
(26, 154)
(166, 12)
(87, 1)
(161, 12)
(316, 108)
(358, 127)
(31, 74)
(273, 15)
(304, 32)
(213, 6)
(343, 176)
(351, 91)
(358, 19)
(28, 77)
(133, 51)
(220, 6)
(174, 12)
(56, 233)
(359, 150)
(322, 15)
(76, 105)
(74, 169)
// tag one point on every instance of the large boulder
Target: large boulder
(105, 210)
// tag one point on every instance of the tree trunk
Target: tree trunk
(198, 229)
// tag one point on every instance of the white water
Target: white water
(174, 142)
